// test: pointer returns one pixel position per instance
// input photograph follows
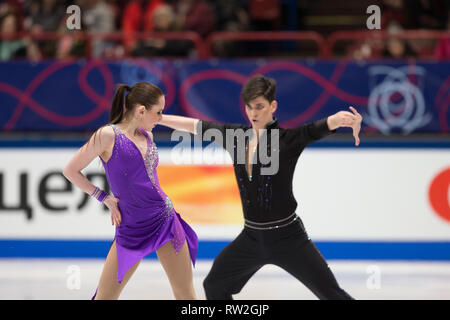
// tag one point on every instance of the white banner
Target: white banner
(343, 194)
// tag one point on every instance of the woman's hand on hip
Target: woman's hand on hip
(111, 203)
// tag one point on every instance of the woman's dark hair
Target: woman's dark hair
(142, 93)
(257, 86)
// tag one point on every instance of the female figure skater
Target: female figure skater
(143, 214)
(273, 232)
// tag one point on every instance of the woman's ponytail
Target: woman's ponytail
(142, 93)
(119, 104)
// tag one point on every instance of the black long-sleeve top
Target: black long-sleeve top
(267, 198)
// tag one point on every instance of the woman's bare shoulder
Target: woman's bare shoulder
(102, 138)
(106, 131)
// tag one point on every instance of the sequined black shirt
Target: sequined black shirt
(268, 197)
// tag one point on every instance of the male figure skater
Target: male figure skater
(273, 231)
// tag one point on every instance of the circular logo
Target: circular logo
(439, 194)
(396, 102)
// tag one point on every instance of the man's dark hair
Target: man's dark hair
(257, 86)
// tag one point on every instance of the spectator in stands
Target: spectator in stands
(72, 44)
(265, 14)
(429, 14)
(45, 16)
(15, 6)
(163, 21)
(231, 16)
(442, 50)
(137, 17)
(99, 16)
(15, 48)
(394, 12)
(195, 15)
(397, 48)
(362, 50)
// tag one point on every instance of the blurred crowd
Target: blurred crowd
(108, 16)
(130, 18)
(400, 15)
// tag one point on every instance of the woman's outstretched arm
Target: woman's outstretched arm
(179, 123)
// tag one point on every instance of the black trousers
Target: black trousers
(288, 247)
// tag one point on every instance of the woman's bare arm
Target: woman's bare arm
(179, 123)
(97, 144)
(84, 156)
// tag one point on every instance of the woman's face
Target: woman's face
(152, 116)
(9, 25)
(260, 112)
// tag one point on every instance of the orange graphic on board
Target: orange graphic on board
(203, 194)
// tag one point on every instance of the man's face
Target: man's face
(260, 111)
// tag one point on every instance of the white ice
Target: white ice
(75, 279)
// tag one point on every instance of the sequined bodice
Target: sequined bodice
(126, 175)
(151, 159)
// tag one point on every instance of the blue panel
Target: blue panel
(406, 96)
(367, 250)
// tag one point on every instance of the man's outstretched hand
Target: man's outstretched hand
(346, 119)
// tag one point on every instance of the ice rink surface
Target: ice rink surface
(75, 279)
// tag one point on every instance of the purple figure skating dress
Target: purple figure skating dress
(148, 218)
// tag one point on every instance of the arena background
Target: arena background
(379, 213)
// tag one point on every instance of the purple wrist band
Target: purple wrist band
(99, 194)
(94, 192)
(102, 196)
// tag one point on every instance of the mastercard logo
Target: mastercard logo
(439, 194)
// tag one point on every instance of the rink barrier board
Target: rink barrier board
(411, 249)
(333, 250)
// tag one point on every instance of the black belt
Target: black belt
(271, 224)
